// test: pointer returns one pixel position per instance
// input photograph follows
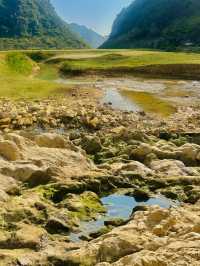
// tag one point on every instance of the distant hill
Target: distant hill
(162, 24)
(28, 24)
(91, 37)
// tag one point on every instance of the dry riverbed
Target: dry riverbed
(80, 181)
(155, 96)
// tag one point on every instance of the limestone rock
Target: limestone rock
(10, 151)
(8, 184)
(91, 144)
(21, 171)
(153, 237)
(30, 236)
(189, 152)
(134, 166)
(17, 139)
(172, 168)
(51, 140)
(3, 196)
(55, 225)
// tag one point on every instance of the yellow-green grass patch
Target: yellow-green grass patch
(16, 81)
(149, 102)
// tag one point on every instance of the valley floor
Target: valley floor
(63, 154)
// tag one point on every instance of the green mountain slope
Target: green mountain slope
(26, 24)
(157, 24)
(88, 35)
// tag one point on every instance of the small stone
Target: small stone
(115, 222)
(85, 238)
(139, 208)
(5, 121)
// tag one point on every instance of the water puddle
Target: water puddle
(157, 96)
(119, 101)
(149, 102)
(129, 100)
(118, 206)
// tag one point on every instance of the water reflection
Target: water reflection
(118, 206)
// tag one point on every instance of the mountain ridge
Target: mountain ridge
(29, 24)
(90, 36)
(161, 24)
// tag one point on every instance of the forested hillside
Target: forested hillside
(88, 35)
(34, 24)
(157, 24)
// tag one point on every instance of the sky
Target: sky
(96, 14)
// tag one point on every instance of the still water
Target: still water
(118, 206)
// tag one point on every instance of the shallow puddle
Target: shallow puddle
(157, 96)
(129, 100)
(118, 206)
(119, 101)
(150, 103)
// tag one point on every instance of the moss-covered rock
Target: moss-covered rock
(85, 206)
(91, 144)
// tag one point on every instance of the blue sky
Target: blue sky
(96, 14)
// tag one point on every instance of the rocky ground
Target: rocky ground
(56, 160)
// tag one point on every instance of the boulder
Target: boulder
(10, 151)
(91, 144)
(172, 168)
(134, 166)
(51, 140)
(85, 206)
(141, 195)
(189, 153)
(152, 237)
(39, 177)
(29, 236)
(141, 152)
(3, 196)
(21, 171)
(56, 225)
(17, 139)
(8, 184)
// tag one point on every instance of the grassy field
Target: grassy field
(32, 74)
(131, 62)
(17, 78)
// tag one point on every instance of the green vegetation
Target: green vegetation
(32, 74)
(160, 24)
(17, 80)
(19, 63)
(48, 72)
(40, 56)
(34, 24)
(154, 63)
(134, 59)
(46, 191)
(85, 206)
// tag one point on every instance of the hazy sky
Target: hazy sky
(96, 14)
